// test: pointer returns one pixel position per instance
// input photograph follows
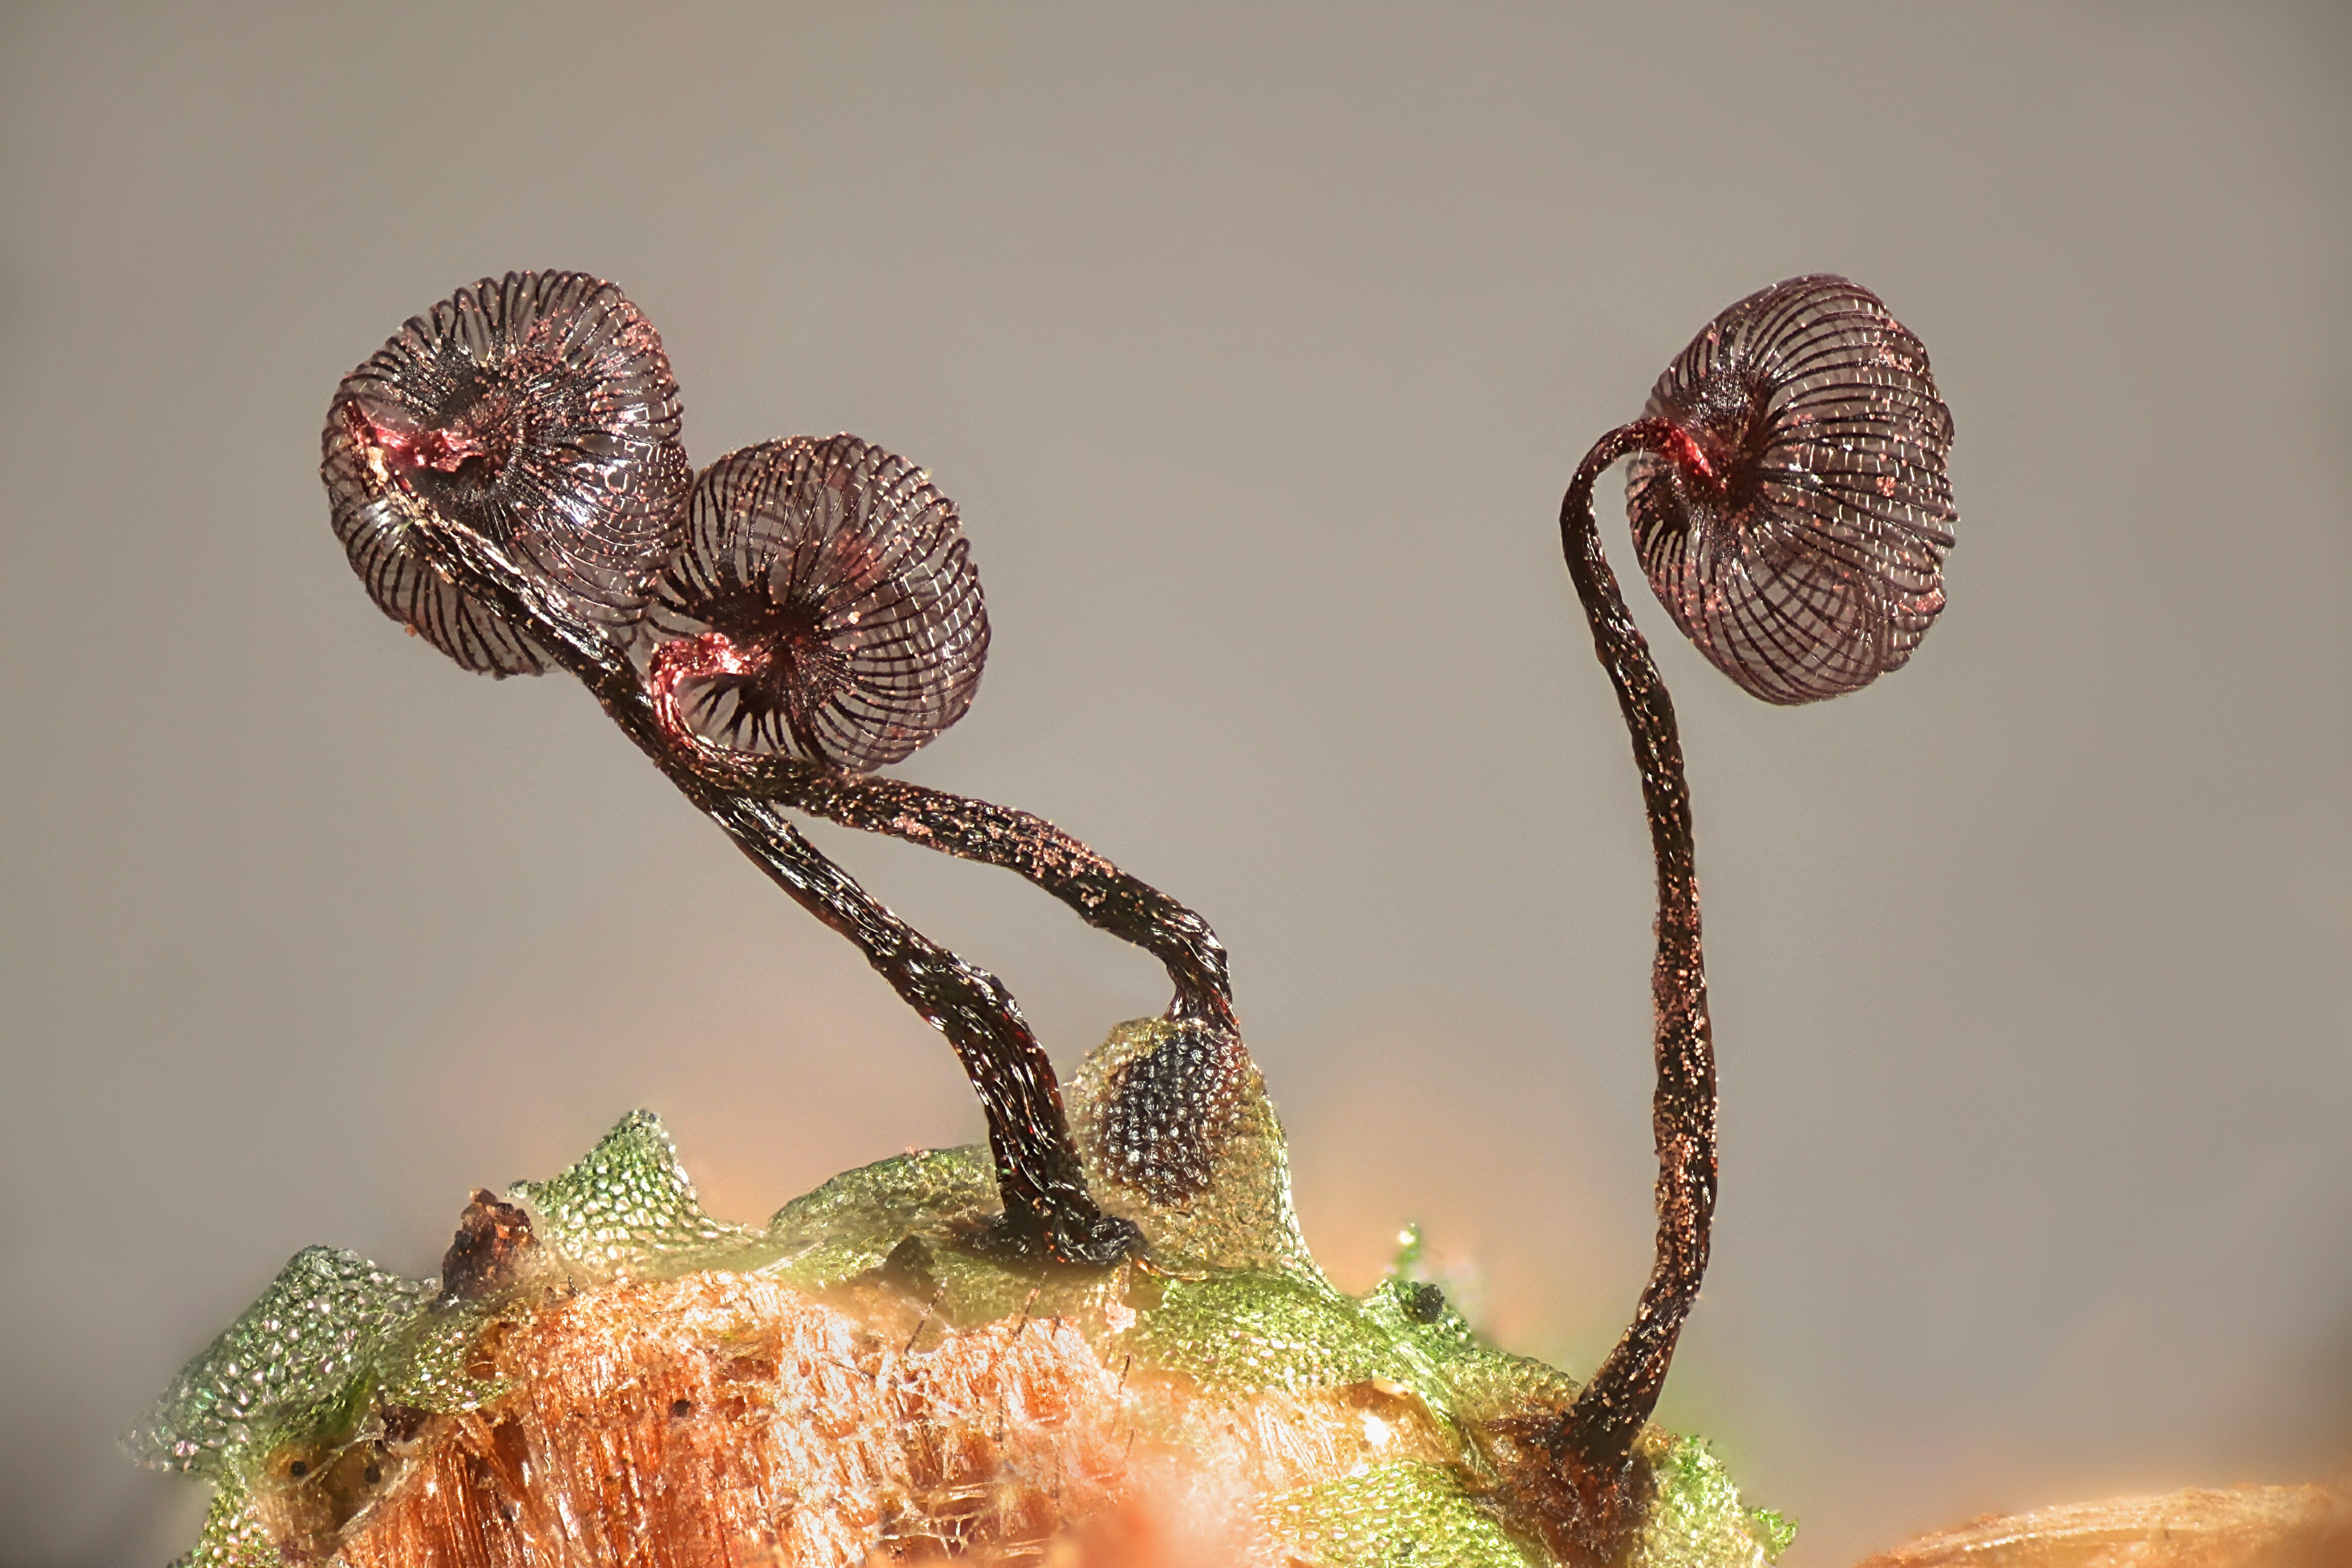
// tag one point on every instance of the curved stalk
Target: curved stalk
(1048, 1211)
(1598, 1430)
(1102, 895)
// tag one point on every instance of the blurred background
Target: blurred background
(1256, 346)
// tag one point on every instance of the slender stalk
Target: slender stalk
(1598, 1429)
(1102, 895)
(1048, 1211)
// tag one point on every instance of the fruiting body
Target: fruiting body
(1789, 501)
(536, 411)
(507, 478)
(830, 587)
(1795, 521)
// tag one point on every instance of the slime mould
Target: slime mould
(606, 1375)
(1100, 1338)
(920, 1356)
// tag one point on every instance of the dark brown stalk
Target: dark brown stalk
(1048, 1212)
(1596, 1433)
(1102, 895)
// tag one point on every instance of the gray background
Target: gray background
(1257, 349)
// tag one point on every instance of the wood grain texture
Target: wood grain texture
(2235, 1527)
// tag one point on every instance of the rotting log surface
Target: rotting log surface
(604, 1374)
(725, 1419)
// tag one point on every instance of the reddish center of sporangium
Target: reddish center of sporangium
(440, 449)
(713, 656)
(406, 444)
(1683, 449)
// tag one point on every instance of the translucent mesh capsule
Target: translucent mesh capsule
(292, 1356)
(1803, 553)
(627, 1204)
(845, 575)
(536, 410)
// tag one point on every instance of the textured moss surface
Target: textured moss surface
(337, 1354)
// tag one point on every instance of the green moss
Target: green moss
(1479, 1381)
(1394, 1515)
(1234, 1302)
(854, 1222)
(1696, 1520)
(427, 1361)
(1776, 1530)
(1249, 1332)
(232, 1536)
(628, 1206)
(297, 1362)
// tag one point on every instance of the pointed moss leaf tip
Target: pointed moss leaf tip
(233, 1535)
(628, 1207)
(290, 1358)
(1776, 1530)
